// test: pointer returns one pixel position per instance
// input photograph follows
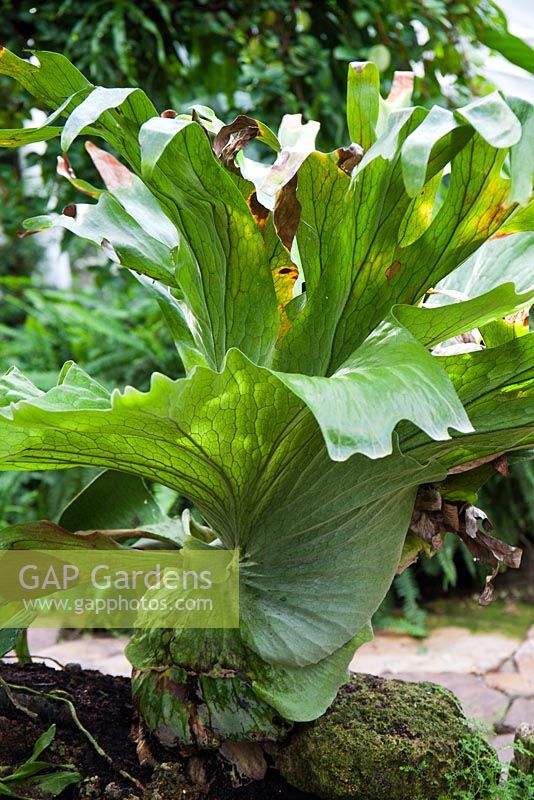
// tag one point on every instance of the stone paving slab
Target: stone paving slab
(449, 649)
(105, 653)
(524, 658)
(42, 638)
(514, 684)
(503, 744)
(521, 710)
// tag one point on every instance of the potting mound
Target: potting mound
(104, 707)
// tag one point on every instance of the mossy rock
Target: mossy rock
(390, 740)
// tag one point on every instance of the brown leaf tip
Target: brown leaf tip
(169, 113)
(70, 211)
(234, 137)
(258, 210)
(349, 157)
(358, 66)
(64, 168)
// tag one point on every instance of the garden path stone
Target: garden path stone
(504, 745)
(449, 649)
(524, 658)
(41, 638)
(521, 710)
(105, 653)
(513, 683)
(478, 700)
(508, 665)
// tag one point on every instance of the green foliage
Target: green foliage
(481, 778)
(314, 404)
(8, 639)
(49, 779)
(513, 502)
(108, 324)
(280, 57)
(406, 591)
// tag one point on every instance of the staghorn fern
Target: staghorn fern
(314, 405)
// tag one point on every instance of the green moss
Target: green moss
(509, 619)
(389, 740)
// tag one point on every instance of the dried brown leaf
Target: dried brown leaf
(287, 213)
(349, 157)
(430, 520)
(234, 137)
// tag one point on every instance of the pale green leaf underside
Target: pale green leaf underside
(507, 258)
(389, 378)
(437, 321)
(522, 154)
(97, 103)
(489, 116)
(108, 225)
(297, 141)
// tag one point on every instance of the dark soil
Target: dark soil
(104, 707)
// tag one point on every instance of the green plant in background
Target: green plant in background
(277, 57)
(316, 423)
(483, 779)
(113, 328)
(513, 501)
